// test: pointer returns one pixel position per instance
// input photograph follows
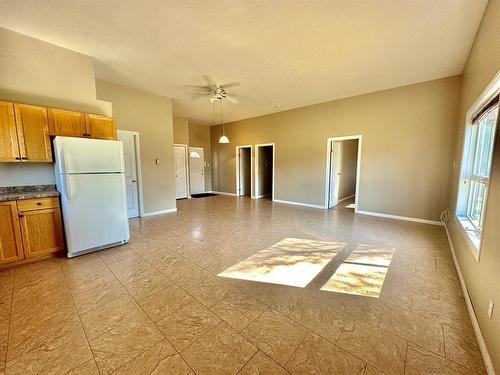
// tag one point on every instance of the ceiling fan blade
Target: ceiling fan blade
(200, 92)
(232, 99)
(231, 84)
(200, 88)
(209, 81)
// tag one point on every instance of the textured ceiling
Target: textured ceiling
(288, 52)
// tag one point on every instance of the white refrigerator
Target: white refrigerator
(90, 177)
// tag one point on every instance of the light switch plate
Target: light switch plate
(490, 308)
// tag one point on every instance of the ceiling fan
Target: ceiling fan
(214, 91)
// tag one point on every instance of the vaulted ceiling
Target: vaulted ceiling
(289, 53)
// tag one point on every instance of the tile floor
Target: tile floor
(157, 306)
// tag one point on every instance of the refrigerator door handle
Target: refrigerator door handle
(67, 187)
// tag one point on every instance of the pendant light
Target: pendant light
(223, 138)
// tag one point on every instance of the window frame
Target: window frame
(472, 233)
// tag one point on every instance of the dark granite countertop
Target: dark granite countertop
(12, 193)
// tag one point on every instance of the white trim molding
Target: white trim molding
(299, 204)
(359, 137)
(472, 315)
(160, 212)
(238, 161)
(396, 217)
(256, 188)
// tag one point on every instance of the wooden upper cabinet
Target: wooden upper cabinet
(33, 133)
(101, 127)
(66, 123)
(9, 146)
(10, 236)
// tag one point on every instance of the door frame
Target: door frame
(189, 170)
(358, 168)
(238, 148)
(186, 164)
(257, 146)
(140, 190)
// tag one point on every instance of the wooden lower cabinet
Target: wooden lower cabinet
(41, 232)
(30, 228)
(11, 247)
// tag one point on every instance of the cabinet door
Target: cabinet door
(9, 148)
(66, 123)
(33, 133)
(101, 127)
(11, 248)
(41, 231)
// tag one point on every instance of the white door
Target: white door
(197, 170)
(180, 172)
(130, 161)
(335, 173)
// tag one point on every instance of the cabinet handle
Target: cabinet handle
(24, 158)
(38, 203)
(21, 215)
(18, 158)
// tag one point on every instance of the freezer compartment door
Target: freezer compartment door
(94, 210)
(81, 155)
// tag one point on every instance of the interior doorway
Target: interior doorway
(133, 179)
(343, 172)
(244, 165)
(264, 160)
(181, 175)
(196, 170)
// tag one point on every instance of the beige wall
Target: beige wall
(482, 278)
(406, 149)
(36, 72)
(199, 136)
(347, 186)
(181, 130)
(151, 116)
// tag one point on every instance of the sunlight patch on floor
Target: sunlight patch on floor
(292, 261)
(362, 273)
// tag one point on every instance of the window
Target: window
(476, 169)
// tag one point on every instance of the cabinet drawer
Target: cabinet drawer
(37, 203)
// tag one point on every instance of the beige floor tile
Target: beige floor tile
(440, 311)
(462, 348)
(238, 310)
(365, 308)
(414, 328)
(379, 348)
(186, 274)
(54, 357)
(123, 343)
(129, 270)
(422, 362)
(54, 329)
(88, 368)
(370, 370)
(103, 294)
(106, 317)
(275, 335)
(147, 283)
(262, 364)
(159, 305)
(187, 324)
(210, 291)
(160, 359)
(221, 351)
(318, 356)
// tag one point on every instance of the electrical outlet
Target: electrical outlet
(490, 308)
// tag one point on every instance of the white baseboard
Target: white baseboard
(406, 218)
(472, 314)
(299, 204)
(154, 213)
(222, 193)
(346, 198)
(260, 196)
